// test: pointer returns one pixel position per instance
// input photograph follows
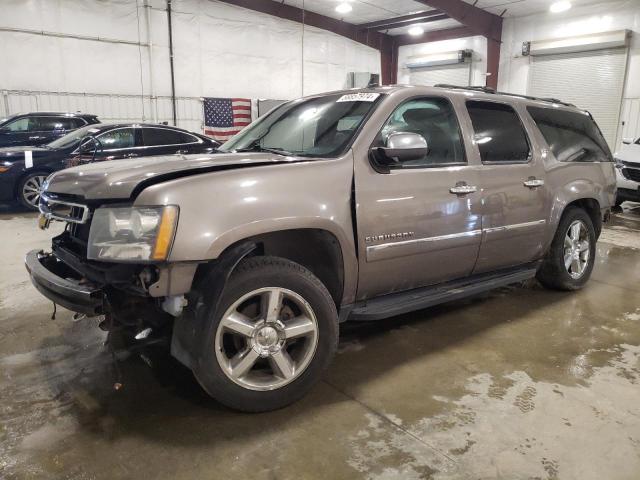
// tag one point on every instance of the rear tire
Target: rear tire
(569, 262)
(29, 189)
(272, 337)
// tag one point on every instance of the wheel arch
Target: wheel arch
(316, 249)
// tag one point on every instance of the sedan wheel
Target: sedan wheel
(31, 190)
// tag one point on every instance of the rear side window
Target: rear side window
(499, 134)
(47, 124)
(164, 136)
(571, 136)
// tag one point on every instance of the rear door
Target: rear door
(515, 197)
(413, 230)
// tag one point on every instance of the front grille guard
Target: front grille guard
(63, 210)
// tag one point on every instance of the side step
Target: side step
(419, 298)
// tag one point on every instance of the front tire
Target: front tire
(271, 338)
(569, 262)
(30, 188)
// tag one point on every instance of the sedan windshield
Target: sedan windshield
(317, 127)
(73, 138)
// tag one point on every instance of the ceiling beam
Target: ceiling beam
(371, 38)
(295, 14)
(480, 22)
(428, 16)
(434, 36)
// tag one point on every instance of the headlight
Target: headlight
(618, 162)
(132, 233)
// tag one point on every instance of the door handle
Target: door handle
(462, 188)
(182, 151)
(533, 183)
(131, 155)
(34, 138)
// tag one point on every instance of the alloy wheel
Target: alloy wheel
(577, 249)
(266, 338)
(32, 189)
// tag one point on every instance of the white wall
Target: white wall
(477, 44)
(514, 68)
(219, 50)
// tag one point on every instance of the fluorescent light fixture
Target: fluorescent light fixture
(344, 8)
(558, 7)
(415, 31)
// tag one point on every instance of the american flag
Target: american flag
(224, 117)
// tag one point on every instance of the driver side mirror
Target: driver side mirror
(400, 147)
(627, 141)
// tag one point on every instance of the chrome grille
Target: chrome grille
(63, 210)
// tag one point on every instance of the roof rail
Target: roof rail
(492, 91)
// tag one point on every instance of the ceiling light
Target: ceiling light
(560, 7)
(344, 8)
(415, 31)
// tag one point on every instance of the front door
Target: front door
(516, 201)
(413, 228)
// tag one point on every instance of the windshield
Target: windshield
(317, 127)
(73, 138)
(4, 120)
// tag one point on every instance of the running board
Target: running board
(419, 298)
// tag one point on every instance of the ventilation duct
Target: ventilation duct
(582, 43)
(439, 59)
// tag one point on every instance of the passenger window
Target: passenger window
(20, 125)
(571, 136)
(164, 136)
(498, 133)
(434, 119)
(120, 138)
(50, 124)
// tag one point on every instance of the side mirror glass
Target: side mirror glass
(627, 141)
(401, 147)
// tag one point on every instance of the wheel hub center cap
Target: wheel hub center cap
(267, 337)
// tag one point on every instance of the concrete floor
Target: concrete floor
(521, 383)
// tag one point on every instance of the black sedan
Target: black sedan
(39, 128)
(24, 169)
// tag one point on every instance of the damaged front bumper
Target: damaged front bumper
(60, 284)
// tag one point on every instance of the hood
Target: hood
(629, 153)
(17, 153)
(118, 179)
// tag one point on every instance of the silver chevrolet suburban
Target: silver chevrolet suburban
(350, 205)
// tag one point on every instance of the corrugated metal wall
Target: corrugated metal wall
(110, 108)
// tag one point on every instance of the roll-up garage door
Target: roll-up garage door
(590, 80)
(458, 74)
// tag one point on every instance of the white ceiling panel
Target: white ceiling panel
(364, 11)
(519, 8)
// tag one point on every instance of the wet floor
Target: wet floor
(521, 383)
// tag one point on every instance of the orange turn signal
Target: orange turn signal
(166, 232)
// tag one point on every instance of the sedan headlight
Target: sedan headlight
(129, 234)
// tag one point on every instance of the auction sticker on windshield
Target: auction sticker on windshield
(358, 97)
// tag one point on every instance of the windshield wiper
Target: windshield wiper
(260, 148)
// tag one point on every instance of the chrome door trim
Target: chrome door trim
(384, 250)
(514, 226)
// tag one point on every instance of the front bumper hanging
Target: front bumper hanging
(53, 279)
